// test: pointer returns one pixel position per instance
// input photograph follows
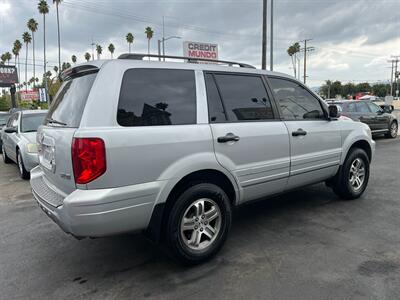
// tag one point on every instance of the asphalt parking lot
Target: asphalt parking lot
(303, 245)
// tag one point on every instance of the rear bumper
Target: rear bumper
(97, 213)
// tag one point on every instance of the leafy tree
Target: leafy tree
(99, 50)
(87, 56)
(33, 27)
(111, 48)
(149, 34)
(57, 3)
(4, 103)
(26, 37)
(129, 39)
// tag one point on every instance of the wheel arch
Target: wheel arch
(160, 212)
(361, 144)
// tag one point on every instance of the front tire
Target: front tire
(198, 223)
(21, 167)
(352, 178)
(6, 159)
(393, 129)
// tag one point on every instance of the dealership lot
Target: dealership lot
(303, 245)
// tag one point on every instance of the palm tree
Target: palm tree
(87, 56)
(57, 2)
(99, 49)
(74, 58)
(43, 8)
(3, 59)
(7, 57)
(16, 50)
(33, 26)
(129, 39)
(26, 37)
(149, 33)
(111, 48)
(55, 69)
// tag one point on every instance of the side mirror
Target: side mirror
(10, 130)
(387, 108)
(333, 111)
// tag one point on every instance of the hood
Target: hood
(30, 137)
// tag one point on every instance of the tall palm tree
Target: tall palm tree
(74, 58)
(87, 56)
(43, 8)
(16, 51)
(149, 34)
(111, 48)
(26, 37)
(55, 69)
(57, 3)
(33, 26)
(129, 39)
(99, 50)
(7, 57)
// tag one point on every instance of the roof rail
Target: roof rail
(139, 56)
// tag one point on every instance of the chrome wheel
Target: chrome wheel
(357, 174)
(393, 129)
(201, 224)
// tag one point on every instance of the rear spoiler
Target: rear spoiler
(77, 71)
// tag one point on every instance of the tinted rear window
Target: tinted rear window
(30, 123)
(152, 97)
(70, 101)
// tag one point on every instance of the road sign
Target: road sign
(8, 75)
(200, 50)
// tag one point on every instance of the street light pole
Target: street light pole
(264, 37)
(271, 50)
(164, 39)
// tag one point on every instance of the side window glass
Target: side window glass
(151, 97)
(351, 107)
(296, 103)
(362, 107)
(245, 97)
(216, 110)
(10, 121)
(374, 108)
(15, 121)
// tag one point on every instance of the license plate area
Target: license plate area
(47, 155)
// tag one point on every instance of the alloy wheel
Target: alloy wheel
(357, 174)
(200, 224)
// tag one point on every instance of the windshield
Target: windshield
(30, 123)
(4, 119)
(69, 103)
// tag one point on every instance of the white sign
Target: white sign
(200, 50)
(42, 95)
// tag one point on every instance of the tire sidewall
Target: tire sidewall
(390, 130)
(174, 239)
(23, 173)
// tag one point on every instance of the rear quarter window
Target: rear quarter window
(69, 103)
(151, 97)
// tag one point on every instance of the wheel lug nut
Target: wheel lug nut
(203, 216)
(201, 229)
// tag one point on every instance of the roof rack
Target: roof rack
(139, 56)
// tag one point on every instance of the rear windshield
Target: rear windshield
(4, 119)
(69, 103)
(30, 123)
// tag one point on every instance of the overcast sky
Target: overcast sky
(353, 39)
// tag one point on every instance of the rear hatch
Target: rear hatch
(55, 137)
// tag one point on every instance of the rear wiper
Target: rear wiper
(51, 120)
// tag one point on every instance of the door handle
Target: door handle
(299, 132)
(229, 137)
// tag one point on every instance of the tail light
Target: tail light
(88, 159)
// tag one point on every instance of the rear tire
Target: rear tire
(393, 129)
(352, 178)
(198, 223)
(6, 159)
(22, 171)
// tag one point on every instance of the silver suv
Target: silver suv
(169, 148)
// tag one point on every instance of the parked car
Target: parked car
(169, 149)
(3, 121)
(379, 119)
(19, 139)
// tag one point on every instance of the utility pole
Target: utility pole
(391, 78)
(163, 37)
(396, 75)
(271, 50)
(306, 49)
(92, 44)
(264, 37)
(394, 87)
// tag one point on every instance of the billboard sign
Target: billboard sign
(8, 75)
(29, 96)
(200, 50)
